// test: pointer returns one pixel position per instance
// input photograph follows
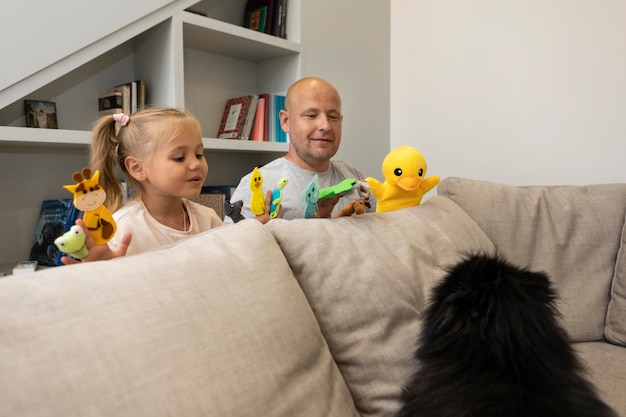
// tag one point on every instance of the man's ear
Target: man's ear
(283, 116)
(135, 168)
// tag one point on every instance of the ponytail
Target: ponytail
(104, 157)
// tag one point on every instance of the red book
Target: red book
(260, 123)
(234, 118)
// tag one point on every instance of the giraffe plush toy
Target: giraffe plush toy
(89, 197)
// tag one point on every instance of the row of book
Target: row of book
(253, 117)
(126, 98)
(267, 16)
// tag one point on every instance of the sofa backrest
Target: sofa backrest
(215, 325)
(573, 233)
(368, 278)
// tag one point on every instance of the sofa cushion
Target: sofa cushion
(605, 366)
(215, 325)
(570, 232)
(615, 330)
(368, 278)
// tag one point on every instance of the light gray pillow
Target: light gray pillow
(215, 325)
(615, 330)
(570, 232)
(368, 278)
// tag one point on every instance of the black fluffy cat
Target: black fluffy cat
(491, 345)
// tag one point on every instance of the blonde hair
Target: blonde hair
(146, 130)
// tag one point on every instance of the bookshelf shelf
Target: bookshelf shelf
(244, 146)
(232, 40)
(29, 137)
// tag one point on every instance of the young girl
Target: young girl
(160, 153)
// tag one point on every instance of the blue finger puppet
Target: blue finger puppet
(277, 196)
(310, 195)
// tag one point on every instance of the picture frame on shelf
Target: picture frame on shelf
(40, 114)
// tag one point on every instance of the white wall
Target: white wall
(53, 28)
(520, 92)
(348, 44)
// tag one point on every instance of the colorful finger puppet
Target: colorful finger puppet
(405, 184)
(310, 195)
(89, 197)
(257, 200)
(72, 242)
(338, 189)
(233, 210)
(277, 196)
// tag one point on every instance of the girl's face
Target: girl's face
(177, 168)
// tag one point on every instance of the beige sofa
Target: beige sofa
(303, 317)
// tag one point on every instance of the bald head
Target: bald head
(306, 85)
(312, 118)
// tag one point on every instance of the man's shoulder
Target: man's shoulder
(346, 170)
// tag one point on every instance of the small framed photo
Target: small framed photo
(41, 114)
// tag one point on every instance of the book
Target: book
(125, 98)
(258, 125)
(276, 133)
(129, 91)
(247, 127)
(234, 117)
(266, 130)
(110, 102)
(259, 15)
(279, 22)
(55, 218)
(141, 94)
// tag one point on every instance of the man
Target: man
(312, 117)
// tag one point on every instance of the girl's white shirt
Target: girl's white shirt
(148, 233)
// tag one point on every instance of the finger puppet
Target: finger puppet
(233, 210)
(310, 195)
(337, 189)
(72, 242)
(257, 200)
(355, 207)
(360, 191)
(277, 196)
(89, 197)
(405, 184)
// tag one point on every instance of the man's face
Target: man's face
(313, 120)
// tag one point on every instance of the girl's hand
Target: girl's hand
(98, 252)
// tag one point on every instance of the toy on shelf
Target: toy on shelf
(72, 242)
(310, 195)
(233, 210)
(405, 184)
(89, 197)
(257, 200)
(277, 196)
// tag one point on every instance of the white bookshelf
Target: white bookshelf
(187, 60)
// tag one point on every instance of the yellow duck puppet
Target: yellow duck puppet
(257, 200)
(405, 184)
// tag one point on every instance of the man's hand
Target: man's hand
(99, 252)
(326, 206)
